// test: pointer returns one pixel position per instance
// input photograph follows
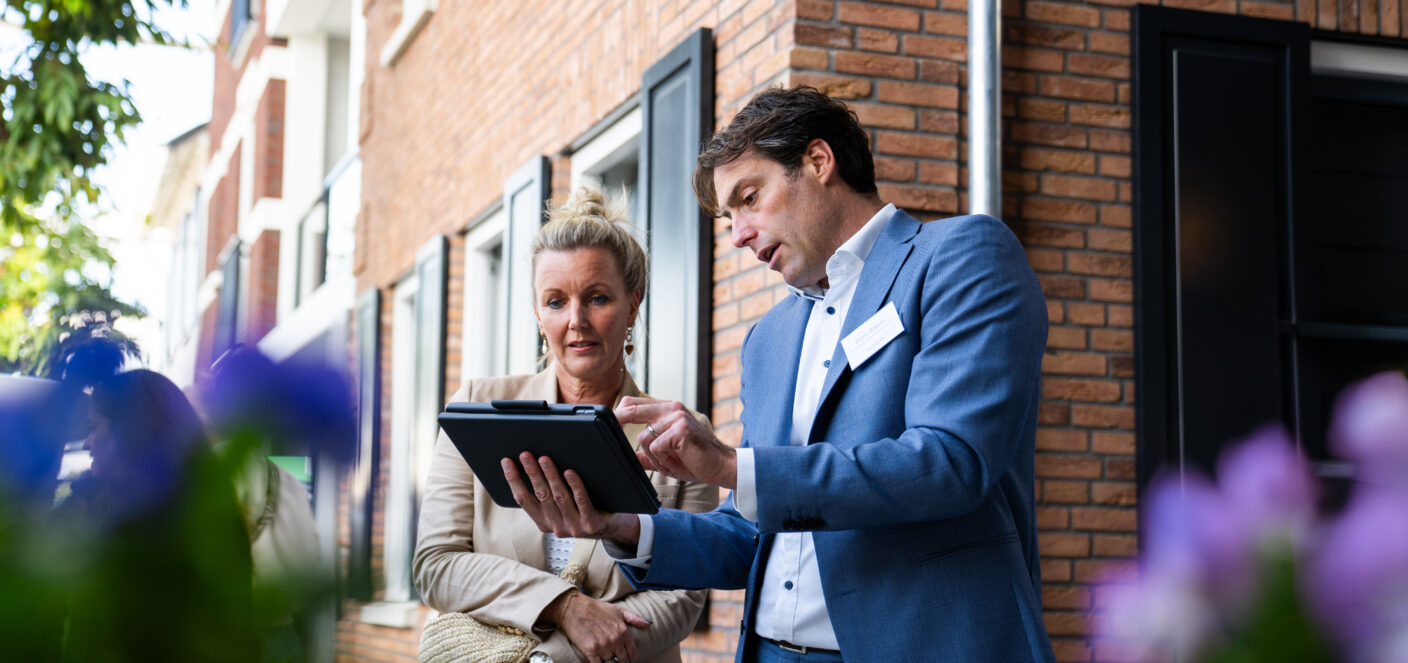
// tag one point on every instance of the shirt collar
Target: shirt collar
(851, 255)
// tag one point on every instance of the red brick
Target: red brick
(1103, 416)
(1044, 35)
(1018, 182)
(1061, 287)
(1041, 109)
(1114, 545)
(875, 64)
(1065, 492)
(880, 16)
(1097, 391)
(946, 23)
(1113, 43)
(1063, 161)
(821, 10)
(1055, 570)
(1219, 6)
(1113, 166)
(1062, 439)
(1122, 366)
(939, 71)
(1053, 414)
(916, 145)
(1052, 544)
(1049, 518)
(1092, 571)
(936, 47)
(1079, 187)
(1120, 468)
(882, 41)
(1115, 117)
(1046, 260)
(1066, 87)
(1113, 493)
(1103, 66)
(1066, 14)
(1049, 134)
(1016, 82)
(1112, 340)
(1105, 520)
(1102, 290)
(1065, 338)
(1074, 363)
(1121, 316)
(1064, 211)
(1090, 315)
(1032, 59)
(938, 173)
(895, 170)
(1040, 234)
(836, 87)
(823, 35)
(1276, 10)
(1067, 597)
(1117, 20)
(1111, 240)
(1055, 311)
(1065, 623)
(1107, 442)
(1110, 141)
(918, 94)
(920, 199)
(1119, 216)
(1101, 264)
(1070, 651)
(1062, 466)
(884, 116)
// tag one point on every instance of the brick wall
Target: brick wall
(269, 142)
(474, 96)
(229, 71)
(262, 291)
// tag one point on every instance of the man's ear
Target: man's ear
(819, 161)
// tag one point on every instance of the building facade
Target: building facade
(379, 166)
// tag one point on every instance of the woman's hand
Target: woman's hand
(559, 503)
(597, 628)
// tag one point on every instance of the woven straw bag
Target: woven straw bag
(455, 637)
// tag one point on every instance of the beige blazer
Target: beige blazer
(476, 557)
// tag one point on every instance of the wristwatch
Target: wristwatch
(539, 657)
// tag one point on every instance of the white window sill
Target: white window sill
(396, 614)
(405, 32)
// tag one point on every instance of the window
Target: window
(1269, 236)
(240, 18)
(484, 350)
(396, 535)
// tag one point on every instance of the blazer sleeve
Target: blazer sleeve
(972, 389)
(450, 575)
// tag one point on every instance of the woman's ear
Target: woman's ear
(635, 305)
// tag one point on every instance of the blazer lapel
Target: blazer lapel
(886, 258)
(777, 360)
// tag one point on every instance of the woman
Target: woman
(491, 562)
(164, 560)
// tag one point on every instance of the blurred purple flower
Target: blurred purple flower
(1195, 536)
(1161, 617)
(1269, 486)
(305, 405)
(1371, 427)
(1358, 579)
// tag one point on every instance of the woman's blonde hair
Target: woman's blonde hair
(591, 219)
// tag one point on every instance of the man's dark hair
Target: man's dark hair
(779, 124)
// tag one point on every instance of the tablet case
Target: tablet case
(583, 438)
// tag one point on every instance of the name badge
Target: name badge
(871, 335)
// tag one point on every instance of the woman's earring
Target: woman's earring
(630, 340)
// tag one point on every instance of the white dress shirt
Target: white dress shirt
(790, 602)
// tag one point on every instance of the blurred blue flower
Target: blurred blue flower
(301, 405)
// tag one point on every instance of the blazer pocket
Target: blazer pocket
(970, 546)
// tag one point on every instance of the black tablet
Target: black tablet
(583, 438)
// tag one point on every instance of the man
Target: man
(882, 506)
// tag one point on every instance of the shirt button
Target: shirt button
(831, 310)
(787, 584)
(826, 363)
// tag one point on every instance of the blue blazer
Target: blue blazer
(917, 480)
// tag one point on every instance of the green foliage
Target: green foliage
(57, 126)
